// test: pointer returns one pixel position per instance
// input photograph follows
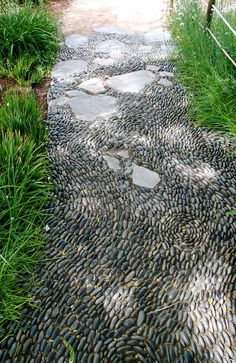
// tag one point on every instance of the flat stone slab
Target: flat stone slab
(166, 74)
(69, 67)
(166, 50)
(110, 30)
(133, 82)
(145, 49)
(93, 85)
(112, 162)
(57, 102)
(157, 35)
(165, 82)
(88, 108)
(76, 41)
(104, 61)
(144, 177)
(152, 68)
(112, 46)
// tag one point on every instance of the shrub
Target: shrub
(28, 38)
(21, 113)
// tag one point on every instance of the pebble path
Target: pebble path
(140, 254)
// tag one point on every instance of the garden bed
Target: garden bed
(25, 66)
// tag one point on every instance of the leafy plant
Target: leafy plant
(24, 70)
(21, 113)
(70, 350)
(28, 40)
(23, 193)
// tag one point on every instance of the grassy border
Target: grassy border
(23, 194)
(207, 74)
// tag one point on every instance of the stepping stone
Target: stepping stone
(67, 68)
(110, 30)
(73, 93)
(144, 177)
(133, 82)
(104, 61)
(76, 41)
(112, 46)
(166, 74)
(112, 162)
(145, 49)
(152, 68)
(157, 35)
(166, 50)
(165, 82)
(57, 102)
(93, 85)
(88, 108)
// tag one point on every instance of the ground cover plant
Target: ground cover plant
(23, 194)
(28, 41)
(207, 74)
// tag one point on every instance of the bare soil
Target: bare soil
(140, 16)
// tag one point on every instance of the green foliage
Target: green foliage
(205, 71)
(28, 40)
(24, 70)
(21, 113)
(70, 349)
(23, 193)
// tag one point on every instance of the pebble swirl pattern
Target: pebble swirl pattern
(133, 274)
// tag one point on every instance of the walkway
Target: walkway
(139, 261)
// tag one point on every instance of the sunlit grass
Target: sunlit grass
(207, 74)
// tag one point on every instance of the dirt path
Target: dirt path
(82, 15)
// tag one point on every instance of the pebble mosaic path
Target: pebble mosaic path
(140, 255)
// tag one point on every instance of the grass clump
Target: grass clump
(207, 74)
(28, 40)
(23, 193)
(21, 113)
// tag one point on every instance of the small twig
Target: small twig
(164, 308)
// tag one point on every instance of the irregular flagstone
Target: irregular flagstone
(69, 67)
(144, 177)
(110, 30)
(88, 108)
(165, 82)
(133, 82)
(166, 74)
(145, 49)
(112, 46)
(166, 50)
(57, 102)
(112, 162)
(93, 85)
(152, 68)
(73, 93)
(76, 41)
(104, 61)
(157, 35)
